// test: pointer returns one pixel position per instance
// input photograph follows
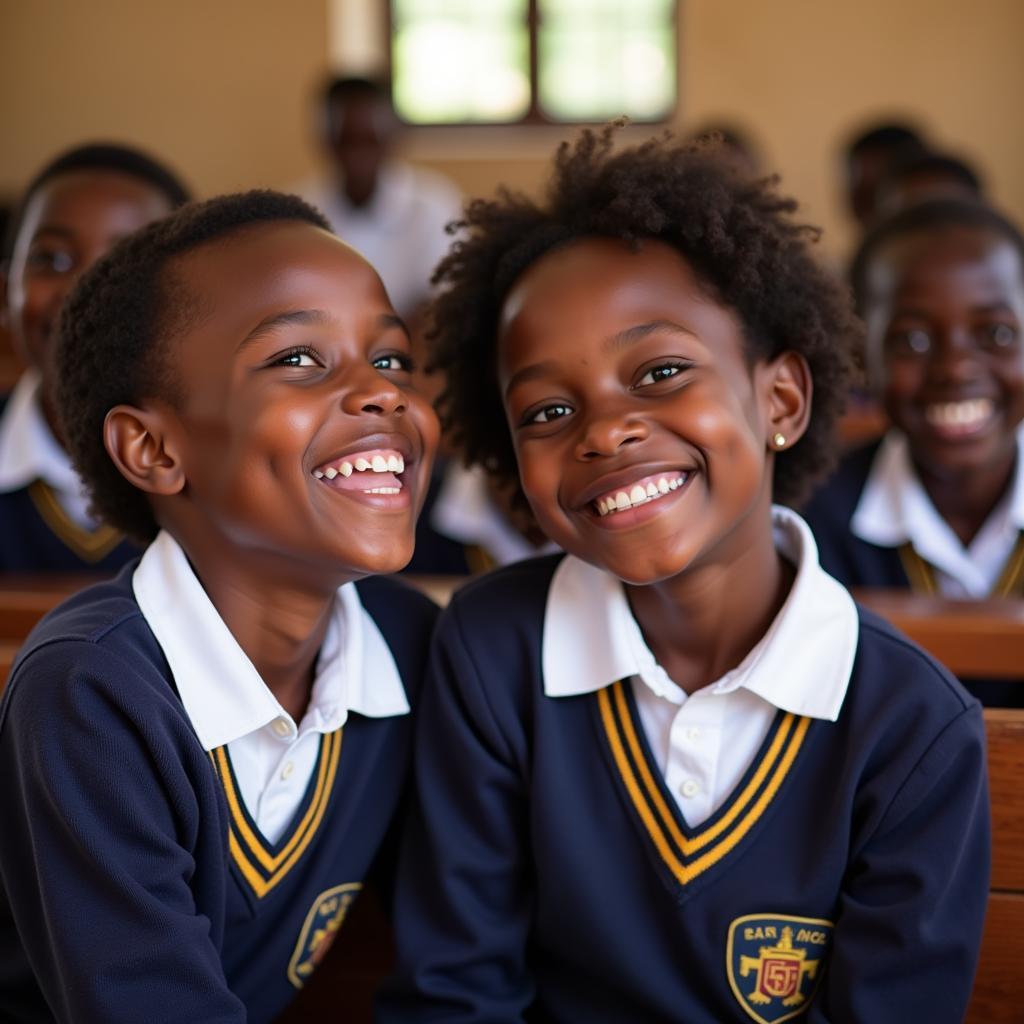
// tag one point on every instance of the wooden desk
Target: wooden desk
(974, 639)
(25, 599)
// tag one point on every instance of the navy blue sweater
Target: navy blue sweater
(134, 885)
(548, 875)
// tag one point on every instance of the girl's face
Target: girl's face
(69, 223)
(944, 320)
(641, 429)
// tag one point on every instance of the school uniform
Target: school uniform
(876, 527)
(174, 845)
(44, 519)
(816, 844)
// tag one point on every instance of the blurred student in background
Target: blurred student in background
(918, 177)
(938, 504)
(868, 156)
(71, 214)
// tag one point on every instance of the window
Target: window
(514, 61)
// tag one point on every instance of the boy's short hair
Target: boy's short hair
(894, 137)
(735, 232)
(114, 330)
(934, 215)
(97, 156)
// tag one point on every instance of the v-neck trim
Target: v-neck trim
(685, 854)
(263, 864)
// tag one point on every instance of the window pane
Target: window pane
(460, 60)
(602, 58)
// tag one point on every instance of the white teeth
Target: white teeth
(959, 414)
(345, 469)
(330, 472)
(318, 474)
(384, 490)
(379, 464)
(639, 494)
(394, 464)
(362, 465)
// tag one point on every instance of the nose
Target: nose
(375, 394)
(956, 358)
(605, 435)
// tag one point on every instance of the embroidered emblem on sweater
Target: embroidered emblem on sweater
(322, 924)
(775, 963)
(689, 853)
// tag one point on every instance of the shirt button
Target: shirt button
(281, 727)
(689, 788)
(287, 769)
(693, 734)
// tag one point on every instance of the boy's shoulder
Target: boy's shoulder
(94, 650)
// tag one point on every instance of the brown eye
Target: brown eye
(914, 342)
(549, 413)
(1001, 336)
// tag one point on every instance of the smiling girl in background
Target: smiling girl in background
(675, 774)
(938, 504)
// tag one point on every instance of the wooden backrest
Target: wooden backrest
(974, 639)
(999, 987)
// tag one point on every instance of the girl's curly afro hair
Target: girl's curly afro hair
(737, 233)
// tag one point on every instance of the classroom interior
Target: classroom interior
(226, 93)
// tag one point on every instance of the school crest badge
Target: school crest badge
(775, 963)
(322, 924)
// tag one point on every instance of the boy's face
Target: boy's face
(625, 384)
(70, 222)
(293, 370)
(944, 319)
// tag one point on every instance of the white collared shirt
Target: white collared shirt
(229, 704)
(704, 742)
(894, 509)
(29, 452)
(465, 512)
(400, 231)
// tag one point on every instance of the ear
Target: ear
(142, 444)
(789, 400)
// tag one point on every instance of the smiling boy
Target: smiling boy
(203, 756)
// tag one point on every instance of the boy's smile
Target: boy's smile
(301, 439)
(944, 320)
(638, 423)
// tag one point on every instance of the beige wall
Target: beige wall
(222, 87)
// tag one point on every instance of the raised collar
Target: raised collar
(801, 665)
(222, 692)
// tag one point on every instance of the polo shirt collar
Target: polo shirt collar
(801, 665)
(895, 509)
(222, 693)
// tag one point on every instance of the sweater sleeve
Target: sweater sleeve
(464, 901)
(100, 821)
(910, 915)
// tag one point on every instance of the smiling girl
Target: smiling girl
(675, 774)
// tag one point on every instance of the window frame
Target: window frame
(534, 116)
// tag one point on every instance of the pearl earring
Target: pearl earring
(778, 440)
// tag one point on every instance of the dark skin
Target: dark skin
(70, 222)
(360, 133)
(944, 314)
(295, 364)
(618, 370)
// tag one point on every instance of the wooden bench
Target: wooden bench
(999, 987)
(974, 639)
